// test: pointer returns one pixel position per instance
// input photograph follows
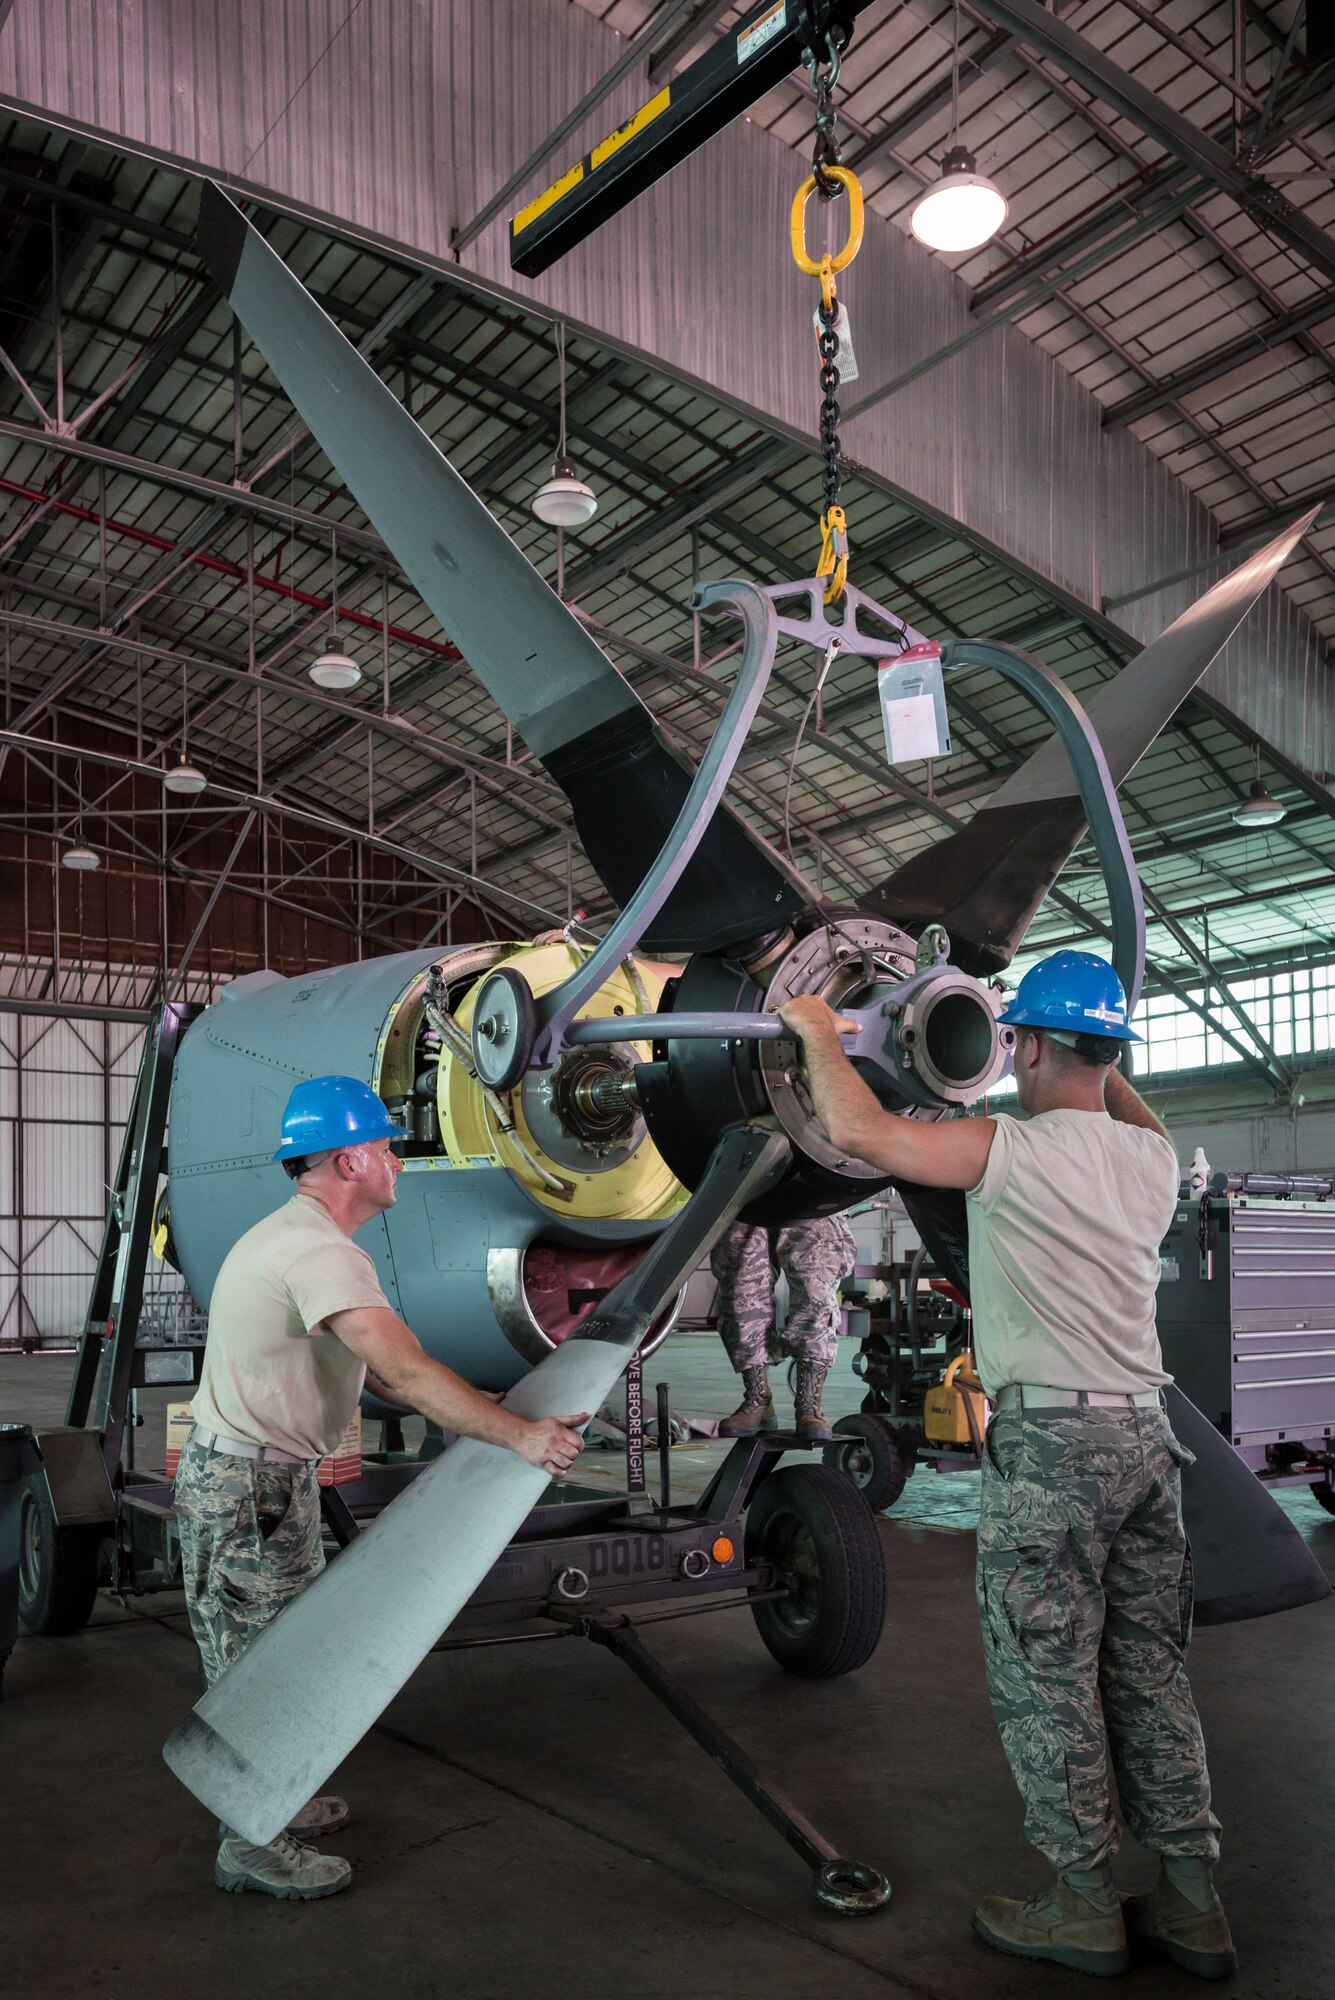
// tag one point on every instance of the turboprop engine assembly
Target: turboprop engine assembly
(521, 1202)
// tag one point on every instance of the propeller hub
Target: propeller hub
(933, 1040)
(944, 1043)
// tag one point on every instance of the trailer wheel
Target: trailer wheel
(58, 1567)
(817, 1534)
(878, 1463)
(1324, 1494)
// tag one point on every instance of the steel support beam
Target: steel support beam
(1034, 24)
(1221, 361)
(42, 749)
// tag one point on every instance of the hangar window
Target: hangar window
(1294, 1010)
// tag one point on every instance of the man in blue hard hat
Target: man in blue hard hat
(298, 1325)
(1084, 1575)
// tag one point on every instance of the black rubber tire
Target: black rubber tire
(879, 1466)
(1324, 1495)
(58, 1567)
(814, 1529)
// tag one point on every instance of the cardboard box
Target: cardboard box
(339, 1466)
(180, 1423)
(344, 1462)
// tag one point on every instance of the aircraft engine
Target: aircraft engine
(514, 1215)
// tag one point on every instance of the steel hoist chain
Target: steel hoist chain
(823, 73)
(828, 179)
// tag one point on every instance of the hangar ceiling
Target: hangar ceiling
(167, 529)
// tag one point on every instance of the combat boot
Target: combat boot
(755, 1412)
(1183, 1917)
(1084, 1932)
(811, 1423)
(285, 1868)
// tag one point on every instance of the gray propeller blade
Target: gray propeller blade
(269, 1732)
(558, 689)
(1248, 1557)
(985, 882)
(536, 661)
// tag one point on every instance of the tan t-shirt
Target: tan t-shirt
(1064, 1235)
(273, 1372)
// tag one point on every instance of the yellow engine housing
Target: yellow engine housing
(641, 1187)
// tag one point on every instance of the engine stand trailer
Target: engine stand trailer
(851, 1888)
(797, 1546)
(72, 1507)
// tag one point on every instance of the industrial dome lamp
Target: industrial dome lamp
(334, 669)
(1259, 808)
(963, 209)
(80, 857)
(183, 777)
(564, 500)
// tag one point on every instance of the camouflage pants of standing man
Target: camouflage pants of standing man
(813, 1256)
(1084, 1586)
(250, 1543)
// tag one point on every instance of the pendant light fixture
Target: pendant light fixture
(184, 777)
(333, 669)
(80, 857)
(1258, 808)
(564, 501)
(963, 209)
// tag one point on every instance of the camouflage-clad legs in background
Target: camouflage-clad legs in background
(250, 1542)
(813, 1256)
(1084, 1584)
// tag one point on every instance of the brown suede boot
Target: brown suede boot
(811, 1422)
(755, 1412)
(1060, 1924)
(1183, 1917)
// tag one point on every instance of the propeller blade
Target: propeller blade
(555, 685)
(986, 882)
(269, 1732)
(1248, 1557)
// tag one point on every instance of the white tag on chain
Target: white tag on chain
(913, 705)
(845, 360)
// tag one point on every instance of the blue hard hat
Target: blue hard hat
(331, 1111)
(1073, 993)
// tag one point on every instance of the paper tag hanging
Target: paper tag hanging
(913, 706)
(845, 360)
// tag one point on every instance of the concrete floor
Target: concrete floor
(528, 1821)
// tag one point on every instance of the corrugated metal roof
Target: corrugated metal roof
(480, 375)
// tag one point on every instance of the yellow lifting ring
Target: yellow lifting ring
(825, 268)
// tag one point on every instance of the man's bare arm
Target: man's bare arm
(952, 1154)
(1122, 1102)
(396, 1359)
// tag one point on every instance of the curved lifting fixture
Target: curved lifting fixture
(503, 1021)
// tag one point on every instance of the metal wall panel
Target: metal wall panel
(402, 121)
(57, 1149)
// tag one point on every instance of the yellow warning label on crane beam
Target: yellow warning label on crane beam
(547, 199)
(633, 126)
(605, 150)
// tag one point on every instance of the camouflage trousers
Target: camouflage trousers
(250, 1543)
(747, 1260)
(1084, 1586)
